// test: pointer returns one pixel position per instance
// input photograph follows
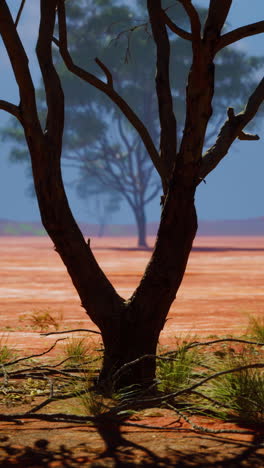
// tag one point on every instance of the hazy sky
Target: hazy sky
(234, 190)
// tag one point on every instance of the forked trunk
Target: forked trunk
(136, 331)
(122, 347)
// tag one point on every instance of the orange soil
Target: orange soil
(223, 285)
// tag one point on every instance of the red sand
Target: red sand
(223, 285)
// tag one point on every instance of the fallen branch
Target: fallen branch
(71, 331)
(203, 381)
(208, 343)
(199, 428)
(11, 363)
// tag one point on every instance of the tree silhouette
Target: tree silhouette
(130, 328)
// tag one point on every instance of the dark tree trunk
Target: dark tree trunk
(136, 331)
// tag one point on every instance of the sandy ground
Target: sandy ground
(222, 287)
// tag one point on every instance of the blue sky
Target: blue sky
(235, 190)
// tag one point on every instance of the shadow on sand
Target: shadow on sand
(204, 451)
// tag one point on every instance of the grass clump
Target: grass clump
(179, 370)
(42, 320)
(242, 392)
(6, 352)
(76, 350)
(256, 328)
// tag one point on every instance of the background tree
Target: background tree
(130, 328)
(112, 160)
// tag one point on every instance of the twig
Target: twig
(60, 417)
(176, 29)
(236, 340)
(19, 12)
(106, 71)
(212, 400)
(196, 427)
(206, 379)
(5, 374)
(207, 343)
(11, 109)
(11, 363)
(71, 331)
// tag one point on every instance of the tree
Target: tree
(112, 159)
(130, 328)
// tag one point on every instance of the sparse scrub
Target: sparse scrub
(6, 352)
(42, 320)
(76, 349)
(256, 328)
(93, 403)
(188, 382)
(179, 370)
(241, 391)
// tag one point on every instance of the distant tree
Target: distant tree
(130, 328)
(112, 159)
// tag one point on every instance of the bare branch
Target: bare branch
(106, 71)
(12, 363)
(232, 129)
(59, 417)
(108, 90)
(11, 109)
(19, 61)
(223, 340)
(52, 84)
(240, 33)
(19, 12)
(71, 331)
(168, 135)
(247, 136)
(216, 18)
(194, 21)
(174, 28)
(206, 430)
(168, 396)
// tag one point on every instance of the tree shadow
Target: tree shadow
(207, 451)
(242, 454)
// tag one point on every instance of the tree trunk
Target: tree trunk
(130, 329)
(137, 331)
(131, 339)
(140, 217)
